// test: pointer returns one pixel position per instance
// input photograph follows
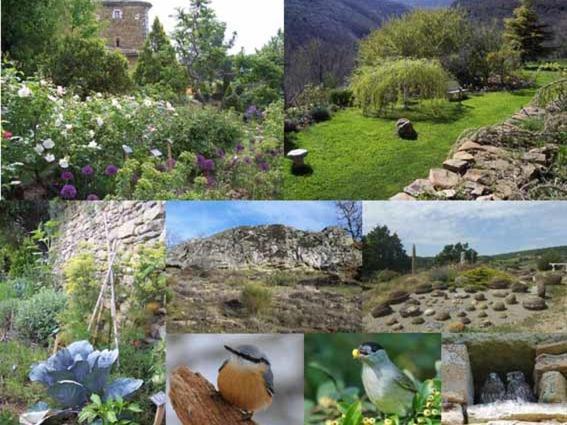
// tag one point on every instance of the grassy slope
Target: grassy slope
(355, 157)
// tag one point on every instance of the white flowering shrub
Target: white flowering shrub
(55, 144)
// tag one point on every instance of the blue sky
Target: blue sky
(255, 21)
(490, 227)
(186, 220)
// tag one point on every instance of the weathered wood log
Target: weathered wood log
(196, 401)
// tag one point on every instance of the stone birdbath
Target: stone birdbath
(298, 157)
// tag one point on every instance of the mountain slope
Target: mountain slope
(426, 4)
(336, 21)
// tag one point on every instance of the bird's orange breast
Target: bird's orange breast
(244, 387)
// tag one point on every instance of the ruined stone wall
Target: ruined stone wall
(131, 224)
(270, 247)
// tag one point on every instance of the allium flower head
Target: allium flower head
(87, 170)
(239, 147)
(111, 170)
(68, 192)
(264, 166)
(67, 175)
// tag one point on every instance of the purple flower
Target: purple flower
(220, 153)
(211, 181)
(264, 166)
(68, 192)
(248, 160)
(111, 170)
(87, 170)
(252, 112)
(239, 147)
(67, 175)
(93, 197)
(170, 163)
(205, 164)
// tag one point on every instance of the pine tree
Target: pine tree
(158, 63)
(525, 33)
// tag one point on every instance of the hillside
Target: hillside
(335, 21)
(321, 38)
(552, 13)
(426, 4)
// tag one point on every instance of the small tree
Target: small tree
(158, 64)
(451, 254)
(384, 250)
(86, 65)
(395, 81)
(350, 216)
(544, 262)
(525, 33)
(504, 62)
(200, 40)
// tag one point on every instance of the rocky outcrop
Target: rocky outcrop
(503, 162)
(270, 247)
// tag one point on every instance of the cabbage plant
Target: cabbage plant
(74, 373)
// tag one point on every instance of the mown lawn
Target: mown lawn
(357, 157)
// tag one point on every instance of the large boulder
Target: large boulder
(405, 130)
(553, 388)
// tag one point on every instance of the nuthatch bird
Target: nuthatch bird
(387, 387)
(246, 380)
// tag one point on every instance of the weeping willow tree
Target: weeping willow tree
(395, 82)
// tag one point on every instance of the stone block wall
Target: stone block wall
(131, 224)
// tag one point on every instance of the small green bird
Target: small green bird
(387, 387)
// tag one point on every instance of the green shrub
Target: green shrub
(256, 298)
(543, 262)
(484, 276)
(14, 382)
(442, 274)
(282, 278)
(37, 317)
(343, 98)
(82, 289)
(7, 310)
(320, 114)
(150, 281)
(385, 275)
(88, 66)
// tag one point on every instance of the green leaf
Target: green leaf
(353, 415)
(134, 408)
(95, 398)
(111, 416)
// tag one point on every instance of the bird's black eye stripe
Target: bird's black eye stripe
(247, 357)
(372, 346)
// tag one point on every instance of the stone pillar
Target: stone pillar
(456, 375)
(463, 258)
(413, 260)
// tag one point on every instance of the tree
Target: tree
(384, 250)
(258, 77)
(504, 62)
(88, 66)
(378, 87)
(524, 32)
(158, 63)
(451, 254)
(32, 29)
(430, 34)
(543, 262)
(201, 45)
(350, 216)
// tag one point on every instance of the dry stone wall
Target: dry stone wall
(270, 247)
(130, 224)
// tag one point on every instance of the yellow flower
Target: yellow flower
(388, 422)
(427, 412)
(326, 402)
(435, 412)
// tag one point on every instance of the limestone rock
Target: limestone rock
(456, 374)
(443, 179)
(453, 415)
(270, 247)
(511, 299)
(553, 388)
(534, 303)
(410, 311)
(381, 310)
(419, 187)
(549, 363)
(398, 297)
(442, 316)
(513, 411)
(456, 165)
(402, 196)
(559, 347)
(463, 156)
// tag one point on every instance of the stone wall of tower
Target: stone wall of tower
(130, 31)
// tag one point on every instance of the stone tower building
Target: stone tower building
(125, 25)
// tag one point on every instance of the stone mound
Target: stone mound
(534, 303)
(382, 310)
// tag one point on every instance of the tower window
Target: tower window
(117, 42)
(117, 14)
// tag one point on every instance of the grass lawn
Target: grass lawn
(357, 157)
